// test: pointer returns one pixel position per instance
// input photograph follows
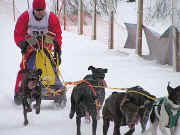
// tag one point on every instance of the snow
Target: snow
(125, 69)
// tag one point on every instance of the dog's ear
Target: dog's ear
(170, 89)
(91, 68)
(177, 88)
(106, 70)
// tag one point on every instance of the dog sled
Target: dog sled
(43, 58)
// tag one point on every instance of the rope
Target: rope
(90, 85)
(51, 91)
(129, 91)
(80, 81)
(135, 91)
(23, 61)
(93, 90)
(73, 83)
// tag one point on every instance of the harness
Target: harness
(172, 117)
(172, 113)
(94, 92)
(145, 104)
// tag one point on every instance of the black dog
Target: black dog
(165, 113)
(127, 108)
(30, 90)
(88, 97)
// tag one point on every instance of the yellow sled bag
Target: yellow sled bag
(43, 62)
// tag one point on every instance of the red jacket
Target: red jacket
(22, 25)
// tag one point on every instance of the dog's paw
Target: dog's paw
(25, 123)
(71, 114)
(37, 110)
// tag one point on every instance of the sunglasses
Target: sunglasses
(40, 9)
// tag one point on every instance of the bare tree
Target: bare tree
(102, 6)
(159, 9)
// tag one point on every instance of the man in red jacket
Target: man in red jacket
(32, 22)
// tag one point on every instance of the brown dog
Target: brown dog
(126, 109)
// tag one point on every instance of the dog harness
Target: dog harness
(172, 117)
(168, 115)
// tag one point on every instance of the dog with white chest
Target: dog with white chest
(165, 113)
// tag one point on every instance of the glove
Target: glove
(57, 50)
(23, 46)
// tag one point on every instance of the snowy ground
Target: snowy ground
(125, 69)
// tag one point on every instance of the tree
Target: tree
(102, 6)
(159, 9)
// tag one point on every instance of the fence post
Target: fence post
(94, 22)
(111, 25)
(175, 36)
(64, 16)
(28, 3)
(57, 6)
(139, 28)
(80, 18)
(14, 10)
(175, 51)
(111, 30)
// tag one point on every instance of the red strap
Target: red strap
(93, 90)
